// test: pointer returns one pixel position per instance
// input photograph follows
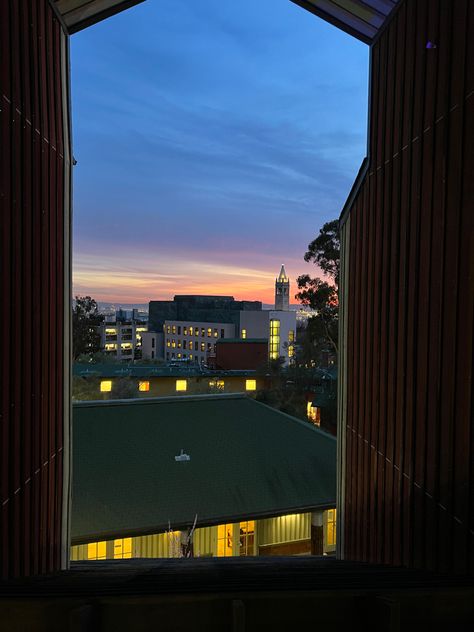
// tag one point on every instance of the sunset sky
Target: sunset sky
(213, 139)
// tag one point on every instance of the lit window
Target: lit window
(191, 331)
(143, 386)
(244, 334)
(179, 344)
(216, 333)
(246, 538)
(250, 385)
(179, 355)
(168, 343)
(185, 331)
(224, 540)
(217, 384)
(173, 329)
(331, 527)
(110, 347)
(203, 346)
(106, 386)
(181, 385)
(203, 332)
(122, 549)
(209, 332)
(274, 343)
(110, 332)
(190, 356)
(97, 551)
(313, 413)
(126, 345)
(291, 343)
(173, 343)
(190, 345)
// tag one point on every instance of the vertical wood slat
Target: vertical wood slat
(409, 433)
(32, 172)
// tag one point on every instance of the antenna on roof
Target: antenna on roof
(182, 457)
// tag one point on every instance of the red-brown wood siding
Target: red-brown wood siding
(32, 172)
(409, 441)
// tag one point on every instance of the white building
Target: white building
(193, 341)
(122, 340)
(277, 326)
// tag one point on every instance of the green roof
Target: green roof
(246, 461)
(242, 340)
(150, 370)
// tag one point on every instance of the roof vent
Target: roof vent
(182, 456)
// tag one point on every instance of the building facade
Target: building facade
(193, 341)
(278, 535)
(122, 340)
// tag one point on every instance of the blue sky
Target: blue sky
(213, 140)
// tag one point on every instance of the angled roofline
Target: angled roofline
(96, 17)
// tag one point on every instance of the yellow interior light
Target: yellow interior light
(143, 386)
(106, 386)
(250, 385)
(181, 385)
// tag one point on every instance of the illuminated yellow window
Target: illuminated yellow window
(178, 355)
(191, 331)
(97, 551)
(217, 384)
(244, 334)
(331, 527)
(291, 343)
(122, 548)
(274, 342)
(225, 540)
(173, 329)
(209, 332)
(203, 332)
(250, 385)
(203, 346)
(185, 331)
(106, 386)
(313, 413)
(181, 385)
(143, 386)
(216, 333)
(190, 356)
(168, 329)
(168, 343)
(141, 329)
(126, 345)
(110, 346)
(110, 332)
(190, 344)
(173, 344)
(246, 538)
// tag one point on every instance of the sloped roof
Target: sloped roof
(361, 18)
(247, 461)
(79, 14)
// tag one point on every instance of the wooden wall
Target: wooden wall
(407, 416)
(33, 268)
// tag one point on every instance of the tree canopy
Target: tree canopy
(85, 322)
(321, 295)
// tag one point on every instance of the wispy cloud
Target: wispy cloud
(212, 132)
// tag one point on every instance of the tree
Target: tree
(85, 322)
(321, 295)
